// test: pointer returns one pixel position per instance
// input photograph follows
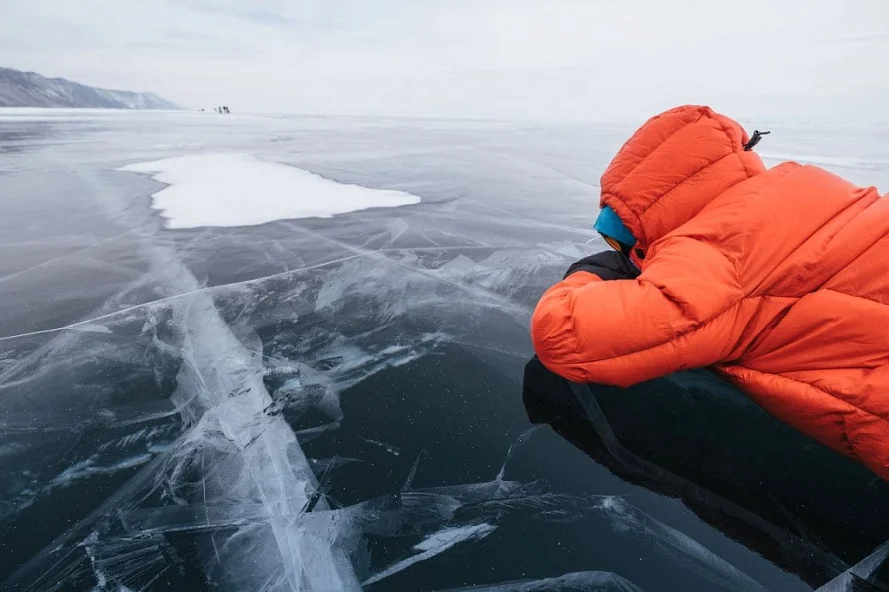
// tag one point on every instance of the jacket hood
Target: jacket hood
(672, 167)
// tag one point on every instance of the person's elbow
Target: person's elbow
(554, 338)
(561, 351)
(565, 345)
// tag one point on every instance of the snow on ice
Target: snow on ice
(241, 190)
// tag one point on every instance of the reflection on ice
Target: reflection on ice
(792, 514)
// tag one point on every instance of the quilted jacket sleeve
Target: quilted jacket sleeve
(678, 314)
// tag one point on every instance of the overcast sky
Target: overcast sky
(563, 59)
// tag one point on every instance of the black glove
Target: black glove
(608, 265)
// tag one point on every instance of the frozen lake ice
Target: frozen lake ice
(288, 353)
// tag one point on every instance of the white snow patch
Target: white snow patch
(241, 190)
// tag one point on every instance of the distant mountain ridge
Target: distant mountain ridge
(29, 89)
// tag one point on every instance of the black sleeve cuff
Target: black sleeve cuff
(607, 265)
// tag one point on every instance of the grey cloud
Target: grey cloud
(565, 59)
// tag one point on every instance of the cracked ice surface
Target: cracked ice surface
(238, 454)
(313, 404)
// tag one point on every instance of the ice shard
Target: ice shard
(859, 577)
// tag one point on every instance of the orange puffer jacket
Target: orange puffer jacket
(778, 279)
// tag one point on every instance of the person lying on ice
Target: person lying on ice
(776, 278)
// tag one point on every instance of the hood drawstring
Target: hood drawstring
(757, 136)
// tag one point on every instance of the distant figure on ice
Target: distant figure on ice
(777, 278)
